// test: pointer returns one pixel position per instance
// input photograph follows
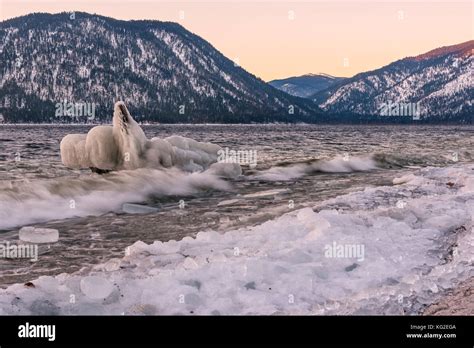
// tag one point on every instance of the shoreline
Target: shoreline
(272, 124)
(281, 264)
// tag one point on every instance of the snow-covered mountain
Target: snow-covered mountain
(306, 85)
(162, 71)
(440, 83)
(165, 73)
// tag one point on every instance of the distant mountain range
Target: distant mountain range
(440, 82)
(162, 71)
(167, 74)
(305, 86)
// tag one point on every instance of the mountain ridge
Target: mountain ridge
(168, 74)
(163, 71)
(465, 48)
(305, 85)
(440, 81)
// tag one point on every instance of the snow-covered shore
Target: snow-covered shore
(384, 250)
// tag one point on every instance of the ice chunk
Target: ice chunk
(311, 220)
(96, 288)
(410, 179)
(137, 247)
(228, 202)
(38, 235)
(266, 193)
(131, 208)
(189, 263)
(112, 265)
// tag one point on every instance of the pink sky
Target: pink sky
(276, 39)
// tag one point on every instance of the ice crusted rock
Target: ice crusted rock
(96, 288)
(131, 208)
(38, 235)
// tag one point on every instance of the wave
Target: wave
(27, 202)
(292, 170)
(289, 171)
(392, 161)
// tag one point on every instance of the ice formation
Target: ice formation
(38, 235)
(140, 168)
(124, 146)
(305, 262)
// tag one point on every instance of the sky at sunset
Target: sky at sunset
(277, 39)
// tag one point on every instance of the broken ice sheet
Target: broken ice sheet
(38, 235)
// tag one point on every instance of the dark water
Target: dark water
(34, 184)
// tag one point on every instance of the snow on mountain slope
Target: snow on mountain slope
(441, 82)
(164, 72)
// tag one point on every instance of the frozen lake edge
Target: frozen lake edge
(417, 237)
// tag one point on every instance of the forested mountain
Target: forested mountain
(162, 71)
